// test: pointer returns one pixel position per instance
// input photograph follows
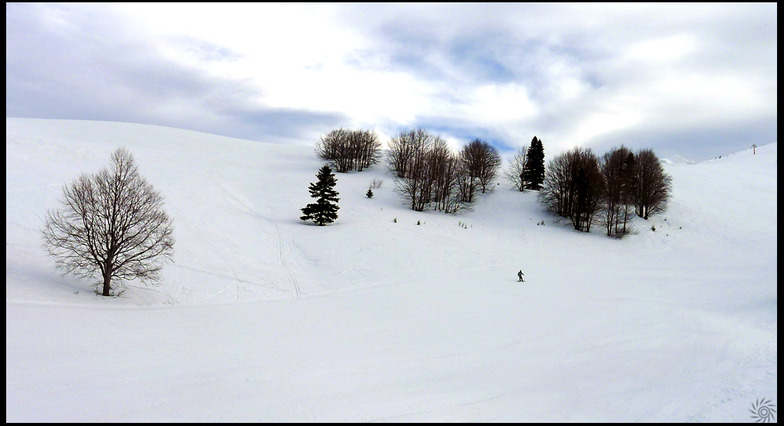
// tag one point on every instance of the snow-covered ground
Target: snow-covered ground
(263, 317)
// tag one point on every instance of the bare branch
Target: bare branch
(110, 224)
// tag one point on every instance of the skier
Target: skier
(520, 276)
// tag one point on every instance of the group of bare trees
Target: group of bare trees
(580, 186)
(425, 170)
(573, 187)
(429, 174)
(350, 150)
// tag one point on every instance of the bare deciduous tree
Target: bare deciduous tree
(516, 167)
(333, 148)
(410, 153)
(555, 193)
(427, 172)
(618, 169)
(481, 161)
(350, 149)
(589, 191)
(367, 148)
(653, 185)
(628, 191)
(111, 224)
(443, 170)
(405, 148)
(573, 187)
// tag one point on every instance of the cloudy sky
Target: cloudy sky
(695, 80)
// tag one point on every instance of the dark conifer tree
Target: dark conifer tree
(533, 173)
(325, 209)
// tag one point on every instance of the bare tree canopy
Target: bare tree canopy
(406, 148)
(111, 224)
(427, 173)
(653, 185)
(619, 171)
(350, 149)
(573, 187)
(578, 186)
(481, 161)
(516, 167)
(410, 157)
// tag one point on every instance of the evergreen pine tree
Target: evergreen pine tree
(369, 193)
(533, 172)
(325, 209)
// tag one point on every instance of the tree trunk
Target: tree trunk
(107, 280)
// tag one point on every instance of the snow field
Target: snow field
(263, 317)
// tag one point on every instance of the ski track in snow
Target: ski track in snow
(296, 293)
(293, 283)
(216, 274)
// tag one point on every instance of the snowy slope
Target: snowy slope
(263, 317)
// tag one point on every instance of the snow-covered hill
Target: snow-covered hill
(263, 317)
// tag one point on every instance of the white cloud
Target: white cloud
(663, 49)
(571, 73)
(499, 103)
